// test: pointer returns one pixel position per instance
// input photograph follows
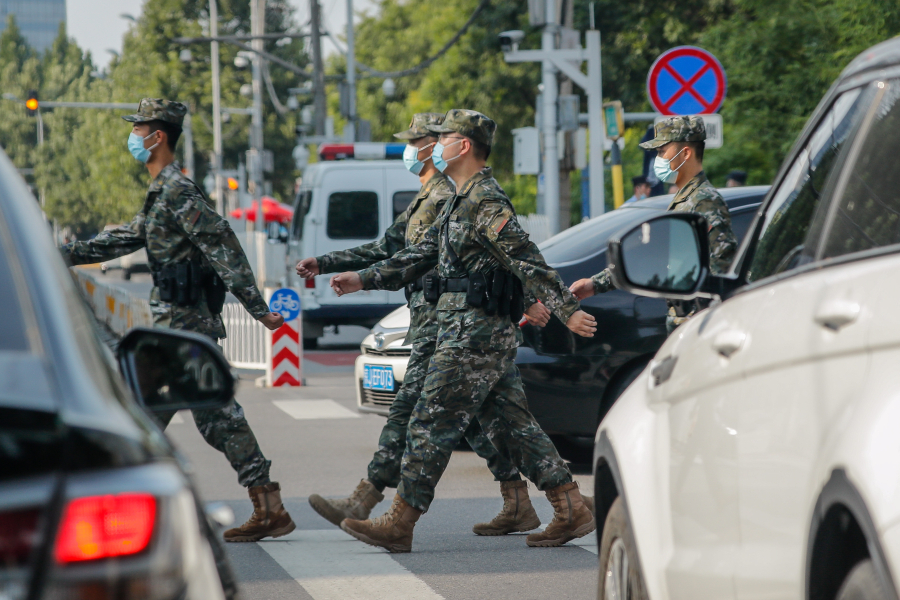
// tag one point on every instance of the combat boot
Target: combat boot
(358, 506)
(392, 530)
(571, 518)
(269, 518)
(517, 513)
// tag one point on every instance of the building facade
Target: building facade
(37, 19)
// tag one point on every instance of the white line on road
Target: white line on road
(588, 542)
(330, 565)
(315, 409)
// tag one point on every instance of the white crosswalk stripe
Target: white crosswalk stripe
(331, 565)
(315, 409)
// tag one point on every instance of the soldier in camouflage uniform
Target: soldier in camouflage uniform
(384, 469)
(472, 373)
(680, 140)
(177, 225)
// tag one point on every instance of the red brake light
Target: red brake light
(104, 526)
(310, 284)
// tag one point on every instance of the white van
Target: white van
(342, 204)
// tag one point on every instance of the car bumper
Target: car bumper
(378, 401)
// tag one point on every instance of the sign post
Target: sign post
(284, 364)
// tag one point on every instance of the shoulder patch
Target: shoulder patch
(499, 224)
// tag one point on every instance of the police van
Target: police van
(346, 199)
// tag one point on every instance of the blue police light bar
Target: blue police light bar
(361, 151)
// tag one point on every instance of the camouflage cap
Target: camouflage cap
(469, 123)
(157, 109)
(677, 129)
(418, 126)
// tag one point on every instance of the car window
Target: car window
(590, 237)
(301, 208)
(402, 201)
(741, 218)
(786, 239)
(867, 212)
(352, 215)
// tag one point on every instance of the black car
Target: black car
(571, 381)
(94, 502)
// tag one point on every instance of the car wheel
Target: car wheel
(620, 573)
(310, 343)
(862, 583)
(126, 274)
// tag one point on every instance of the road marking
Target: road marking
(315, 409)
(331, 565)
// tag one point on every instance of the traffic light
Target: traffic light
(232, 184)
(31, 104)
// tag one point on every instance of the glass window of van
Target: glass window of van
(352, 216)
(402, 200)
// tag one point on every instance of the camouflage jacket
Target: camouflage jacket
(485, 235)
(697, 196)
(407, 230)
(178, 223)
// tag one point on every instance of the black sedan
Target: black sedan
(570, 381)
(94, 502)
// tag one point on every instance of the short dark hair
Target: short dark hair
(481, 151)
(172, 131)
(696, 147)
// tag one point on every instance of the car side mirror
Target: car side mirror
(664, 257)
(173, 370)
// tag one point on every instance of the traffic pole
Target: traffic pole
(284, 346)
(615, 156)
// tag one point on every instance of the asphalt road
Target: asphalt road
(319, 443)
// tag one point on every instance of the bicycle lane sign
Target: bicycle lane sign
(285, 302)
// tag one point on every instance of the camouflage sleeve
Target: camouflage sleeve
(722, 243)
(405, 266)
(213, 236)
(367, 255)
(602, 282)
(498, 228)
(529, 298)
(108, 244)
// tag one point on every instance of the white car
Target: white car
(381, 367)
(758, 455)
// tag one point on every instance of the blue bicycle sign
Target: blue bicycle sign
(285, 302)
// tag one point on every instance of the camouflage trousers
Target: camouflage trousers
(465, 384)
(384, 470)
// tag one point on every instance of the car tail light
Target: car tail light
(105, 526)
(310, 284)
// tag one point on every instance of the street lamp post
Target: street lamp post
(217, 106)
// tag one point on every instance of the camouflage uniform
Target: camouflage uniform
(176, 224)
(697, 196)
(408, 230)
(472, 373)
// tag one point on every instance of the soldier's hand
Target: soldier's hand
(308, 268)
(582, 323)
(537, 315)
(583, 288)
(272, 321)
(346, 283)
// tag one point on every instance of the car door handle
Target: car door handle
(836, 314)
(728, 342)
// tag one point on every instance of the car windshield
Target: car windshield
(590, 237)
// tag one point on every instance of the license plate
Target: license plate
(378, 378)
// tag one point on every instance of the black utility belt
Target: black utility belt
(429, 284)
(497, 293)
(181, 284)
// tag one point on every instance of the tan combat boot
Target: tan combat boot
(571, 518)
(517, 513)
(392, 530)
(358, 506)
(269, 518)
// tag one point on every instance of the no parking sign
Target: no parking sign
(686, 81)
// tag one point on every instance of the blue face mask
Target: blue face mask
(662, 168)
(136, 147)
(437, 155)
(411, 158)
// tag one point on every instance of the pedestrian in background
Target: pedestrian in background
(736, 179)
(476, 244)
(194, 257)
(640, 189)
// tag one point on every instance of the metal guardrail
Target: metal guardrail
(245, 346)
(536, 226)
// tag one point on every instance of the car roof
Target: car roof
(880, 56)
(733, 197)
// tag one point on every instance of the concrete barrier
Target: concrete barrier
(116, 308)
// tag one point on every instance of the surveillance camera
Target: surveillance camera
(509, 40)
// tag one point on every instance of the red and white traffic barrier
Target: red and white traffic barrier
(284, 347)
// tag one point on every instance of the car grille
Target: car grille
(393, 352)
(376, 398)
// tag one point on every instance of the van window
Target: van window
(867, 215)
(352, 215)
(301, 208)
(402, 200)
(787, 239)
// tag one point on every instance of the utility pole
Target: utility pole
(315, 40)
(257, 26)
(217, 106)
(350, 132)
(549, 96)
